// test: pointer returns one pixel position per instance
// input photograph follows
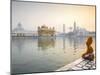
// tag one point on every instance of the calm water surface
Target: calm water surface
(43, 54)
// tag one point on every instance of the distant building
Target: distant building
(45, 31)
(64, 28)
(74, 30)
(20, 31)
(77, 31)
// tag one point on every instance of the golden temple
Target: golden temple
(46, 31)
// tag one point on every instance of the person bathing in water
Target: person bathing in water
(89, 55)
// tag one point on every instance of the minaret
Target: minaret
(74, 27)
(64, 37)
(64, 28)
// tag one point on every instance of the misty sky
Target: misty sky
(31, 15)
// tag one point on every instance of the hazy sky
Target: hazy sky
(31, 15)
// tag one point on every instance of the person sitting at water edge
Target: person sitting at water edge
(89, 55)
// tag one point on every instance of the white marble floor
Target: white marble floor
(79, 64)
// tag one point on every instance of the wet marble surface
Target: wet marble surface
(79, 64)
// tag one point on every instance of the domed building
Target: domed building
(45, 31)
(18, 31)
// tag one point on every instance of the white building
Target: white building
(79, 31)
(20, 31)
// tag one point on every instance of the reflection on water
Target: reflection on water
(42, 54)
(46, 42)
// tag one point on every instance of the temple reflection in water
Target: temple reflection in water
(46, 42)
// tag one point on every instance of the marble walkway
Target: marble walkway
(79, 64)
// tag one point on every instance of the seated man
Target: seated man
(88, 55)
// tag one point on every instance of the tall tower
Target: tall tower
(64, 37)
(74, 27)
(63, 28)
